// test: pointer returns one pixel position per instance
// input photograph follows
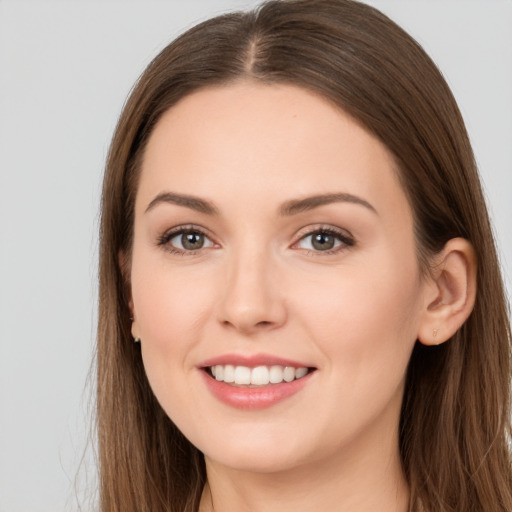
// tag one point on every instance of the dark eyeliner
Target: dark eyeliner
(164, 239)
(346, 239)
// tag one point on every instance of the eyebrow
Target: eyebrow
(291, 207)
(296, 206)
(194, 203)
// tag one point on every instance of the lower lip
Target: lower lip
(254, 398)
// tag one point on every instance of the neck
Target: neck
(348, 481)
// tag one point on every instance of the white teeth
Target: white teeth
(229, 373)
(258, 376)
(276, 374)
(242, 375)
(289, 373)
(299, 372)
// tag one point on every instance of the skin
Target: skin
(259, 286)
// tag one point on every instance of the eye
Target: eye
(185, 240)
(324, 240)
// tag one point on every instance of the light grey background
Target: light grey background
(65, 70)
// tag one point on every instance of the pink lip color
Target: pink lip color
(252, 361)
(252, 398)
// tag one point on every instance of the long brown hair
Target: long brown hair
(455, 419)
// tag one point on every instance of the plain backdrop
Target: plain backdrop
(66, 68)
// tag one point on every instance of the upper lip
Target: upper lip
(252, 361)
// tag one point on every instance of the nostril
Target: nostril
(263, 323)
(247, 325)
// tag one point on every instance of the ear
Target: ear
(124, 266)
(450, 292)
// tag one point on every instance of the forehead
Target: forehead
(264, 143)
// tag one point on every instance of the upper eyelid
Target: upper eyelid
(165, 237)
(299, 235)
(183, 228)
(310, 230)
(345, 237)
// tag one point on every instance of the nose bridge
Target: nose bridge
(252, 299)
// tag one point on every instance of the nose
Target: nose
(253, 296)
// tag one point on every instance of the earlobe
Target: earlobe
(450, 292)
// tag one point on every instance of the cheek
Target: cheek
(167, 301)
(365, 316)
(171, 313)
(171, 308)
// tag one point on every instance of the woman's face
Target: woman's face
(271, 232)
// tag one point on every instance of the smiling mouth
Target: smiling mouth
(259, 376)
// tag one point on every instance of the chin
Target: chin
(257, 461)
(258, 454)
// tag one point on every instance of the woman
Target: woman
(294, 234)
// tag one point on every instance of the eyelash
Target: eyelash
(343, 237)
(164, 240)
(346, 240)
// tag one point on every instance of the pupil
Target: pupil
(323, 242)
(192, 241)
